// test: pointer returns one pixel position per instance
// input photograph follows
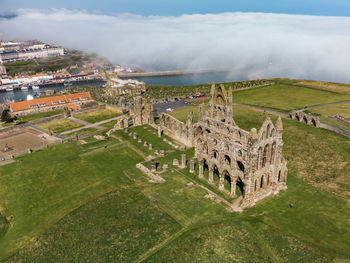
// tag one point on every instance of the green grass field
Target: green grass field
(59, 126)
(334, 87)
(88, 203)
(286, 97)
(98, 115)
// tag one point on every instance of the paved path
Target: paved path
(324, 105)
(89, 125)
(79, 121)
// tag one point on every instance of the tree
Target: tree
(5, 116)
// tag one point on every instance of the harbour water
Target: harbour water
(190, 79)
(177, 80)
(18, 94)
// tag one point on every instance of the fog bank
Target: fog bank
(251, 45)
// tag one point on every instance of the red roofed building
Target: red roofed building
(73, 101)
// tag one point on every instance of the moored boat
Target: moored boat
(35, 87)
(24, 88)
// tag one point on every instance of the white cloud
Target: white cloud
(252, 45)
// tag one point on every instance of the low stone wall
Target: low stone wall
(154, 178)
(81, 136)
(13, 128)
(34, 149)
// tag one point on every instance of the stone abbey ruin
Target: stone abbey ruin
(231, 156)
(252, 160)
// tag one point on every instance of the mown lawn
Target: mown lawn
(128, 224)
(59, 126)
(286, 97)
(56, 181)
(148, 134)
(98, 115)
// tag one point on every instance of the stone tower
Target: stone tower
(143, 111)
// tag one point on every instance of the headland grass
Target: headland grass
(286, 97)
(76, 203)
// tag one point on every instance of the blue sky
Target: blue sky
(178, 7)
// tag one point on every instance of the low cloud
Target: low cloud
(251, 45)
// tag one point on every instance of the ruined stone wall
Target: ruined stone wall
(306, 118)
(182, 132)
(235, 157)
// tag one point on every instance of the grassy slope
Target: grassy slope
(98, 115)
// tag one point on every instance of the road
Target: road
(161, 107)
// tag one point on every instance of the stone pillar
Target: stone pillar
(176, 162)
(183, 160)
(159, 131)
(154, 168)
(150, 147)
(201, 169)
(135, 136)
(221, 182)
(145, 144)
(126, 123)
(192, 166)
(211, 175)
(233, 187)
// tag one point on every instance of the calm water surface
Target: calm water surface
(179, 80)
